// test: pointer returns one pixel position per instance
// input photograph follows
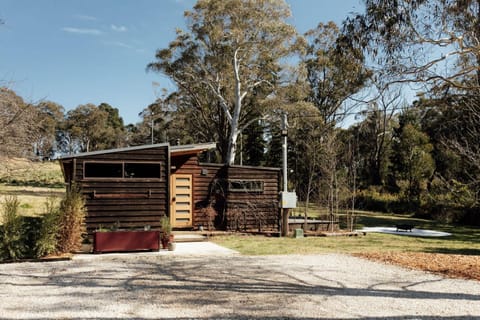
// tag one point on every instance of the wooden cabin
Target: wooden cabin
(132, 188)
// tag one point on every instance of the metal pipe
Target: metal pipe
(284, 149)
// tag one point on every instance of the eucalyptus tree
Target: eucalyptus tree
(335, 69)
(431, 42)
(83, 127)
(412, 161)
(452, 125)
(114, 130)
(162, 122)
(335, 73)
(50, 119)
(19, 127)
(233, 49)
(90, 128)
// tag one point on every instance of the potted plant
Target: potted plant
(167, 236)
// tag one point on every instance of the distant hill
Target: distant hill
(18, 171)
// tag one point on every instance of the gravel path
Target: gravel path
(230, 287)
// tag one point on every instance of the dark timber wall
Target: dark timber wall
(127, 202)
(252, 210)
(243, 198)
(239, 209)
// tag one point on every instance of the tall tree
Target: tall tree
(90, 128)
(232, 49)
(335, 70)
(412, 159)
(114, 128)
(254, 144)
(18, 125)
(373, 136)
(434, 42)
(50, 119)
(452, 124)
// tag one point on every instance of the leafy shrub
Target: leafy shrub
(11, 237)
(46, 240)
(373, 199)
(30, 232)
(71, 220)
(450, 202)
(165, 225)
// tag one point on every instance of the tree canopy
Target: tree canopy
(232, 51)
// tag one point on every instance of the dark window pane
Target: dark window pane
(103, 170)
(142, 170)
(246, 185)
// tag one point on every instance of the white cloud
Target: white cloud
(85, 17)
(93, 32)
(118, 28)
(124, 45)
(118, 44)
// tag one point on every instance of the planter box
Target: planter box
(114, 241)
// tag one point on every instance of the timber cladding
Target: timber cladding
(132, 188)
(127, 188)
(251, 201)
(243, 198)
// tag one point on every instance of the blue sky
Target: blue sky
(92, 51)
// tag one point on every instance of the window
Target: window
(245, 185)
(103, 170)
(142, 170)
(127, 170)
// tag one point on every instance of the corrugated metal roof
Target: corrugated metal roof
(191, 148)
(188, 148)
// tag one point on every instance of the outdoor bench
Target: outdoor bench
(405, 227)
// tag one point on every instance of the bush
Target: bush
(373, 199)
(35, 237)
(71, 221)
(450, 202)
(46, 240)
(12, 245)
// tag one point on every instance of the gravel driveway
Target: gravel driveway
(230, 286)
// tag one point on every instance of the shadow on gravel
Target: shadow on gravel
(252, 288)
(223, 317)
(199, 276)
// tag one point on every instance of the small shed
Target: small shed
(134, 187)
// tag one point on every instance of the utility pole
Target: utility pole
(152, 125)
(287, 199)
(284, 149)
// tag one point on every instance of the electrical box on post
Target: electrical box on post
(288, 200)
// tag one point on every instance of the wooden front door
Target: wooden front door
(181, 200)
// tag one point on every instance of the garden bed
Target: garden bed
(118, 241)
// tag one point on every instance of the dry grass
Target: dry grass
(451, 265)
(31, 182)
(19, 171)
(32, 199)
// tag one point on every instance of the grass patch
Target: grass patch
(23, 172)
(464, 240)
(31, 199)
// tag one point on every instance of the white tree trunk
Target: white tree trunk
(235, 129)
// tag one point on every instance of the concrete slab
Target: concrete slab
(192, 249)
(415, 232)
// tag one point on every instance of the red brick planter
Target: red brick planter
(115, 241)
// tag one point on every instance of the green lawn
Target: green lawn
(32, 199)
(464, 240)
(32, 182)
